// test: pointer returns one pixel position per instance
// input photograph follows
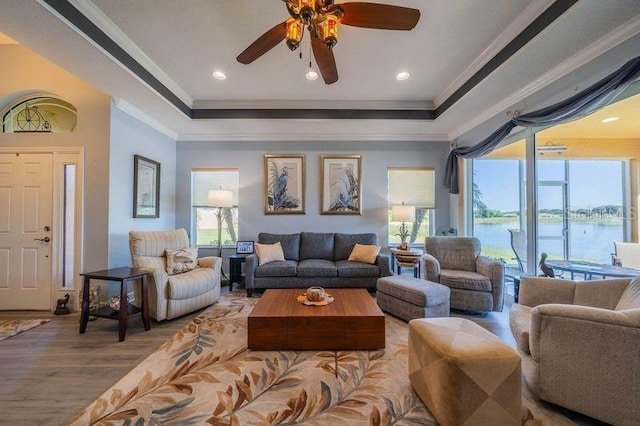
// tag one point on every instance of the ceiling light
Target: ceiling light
(402, 76)
(311, 75)
(610, 119)
(219, 75)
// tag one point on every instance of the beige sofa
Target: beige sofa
(580, 344)
(476, 282)
(171, 296)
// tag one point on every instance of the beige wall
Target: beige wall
(23, 71)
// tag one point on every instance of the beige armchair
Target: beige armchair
(171, 296)
(476, 282)
(580, 344)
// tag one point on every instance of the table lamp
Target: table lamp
(403, 214)
(219, 199)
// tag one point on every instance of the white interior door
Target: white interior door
(25, 230)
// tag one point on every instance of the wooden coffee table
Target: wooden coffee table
(352, 322)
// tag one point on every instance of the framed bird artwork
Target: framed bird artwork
(284, 184)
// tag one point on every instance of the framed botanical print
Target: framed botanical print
(146, 187)
(284, 184)
(341, 184)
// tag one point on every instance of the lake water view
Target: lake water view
(590, 241)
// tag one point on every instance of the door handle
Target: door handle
(45, 239)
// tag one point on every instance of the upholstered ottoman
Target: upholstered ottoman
(463, 373)
(409, 298)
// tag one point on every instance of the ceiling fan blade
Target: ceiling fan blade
(264, 43)
(380, 16)
(325, 60)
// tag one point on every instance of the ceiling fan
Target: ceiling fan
(321, 18)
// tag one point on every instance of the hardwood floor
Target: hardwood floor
(49, 373)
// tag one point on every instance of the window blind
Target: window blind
(412, 186)
(204, 180)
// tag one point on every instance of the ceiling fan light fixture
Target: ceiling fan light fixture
(306, 10)
(402, 75)
(219, 75)
(294, 33)
(311, 75)
(328, 30)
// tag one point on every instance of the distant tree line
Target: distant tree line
(480, 209)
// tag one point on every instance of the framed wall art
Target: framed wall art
(244, 247)
(284, 184)
(146, 187)
(341, 184)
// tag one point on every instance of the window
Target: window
(68, 225)
(204, 223)
(413, 187)
(40, 114)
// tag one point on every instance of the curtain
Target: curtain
(579, 105)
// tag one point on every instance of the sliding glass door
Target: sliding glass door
(585, 194)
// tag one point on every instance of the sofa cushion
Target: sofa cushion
(285, 268)
(465, 280)
(315, 245)
(348, 269)
(192, 284)
(364, 253)
(290, 243)
(317, 268)
(630, 299)
(181, 260)
(344, 243)
(268, 253)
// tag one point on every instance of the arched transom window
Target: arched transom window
(40, 114)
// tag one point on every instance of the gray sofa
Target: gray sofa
(315, 259)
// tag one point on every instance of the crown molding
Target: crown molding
(307, 137)
(530, 13)
(611, 40)
(314, 104)
(143, 117)
(95, 15)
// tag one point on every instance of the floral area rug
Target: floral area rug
(9, 328)
(206, 375)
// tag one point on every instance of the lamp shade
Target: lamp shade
(220, 198)
(403, 213)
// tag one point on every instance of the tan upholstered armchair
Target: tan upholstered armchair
(171, 296)
(476, 282)
(580, 344)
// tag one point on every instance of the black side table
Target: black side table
(235, 269)
(123, 276)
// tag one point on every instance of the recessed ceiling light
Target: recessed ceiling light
(311, 75)
(219, 75)
(402, 76)
(610, 119)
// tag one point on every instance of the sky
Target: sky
(591, 183)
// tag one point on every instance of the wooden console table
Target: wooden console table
(123, 276)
